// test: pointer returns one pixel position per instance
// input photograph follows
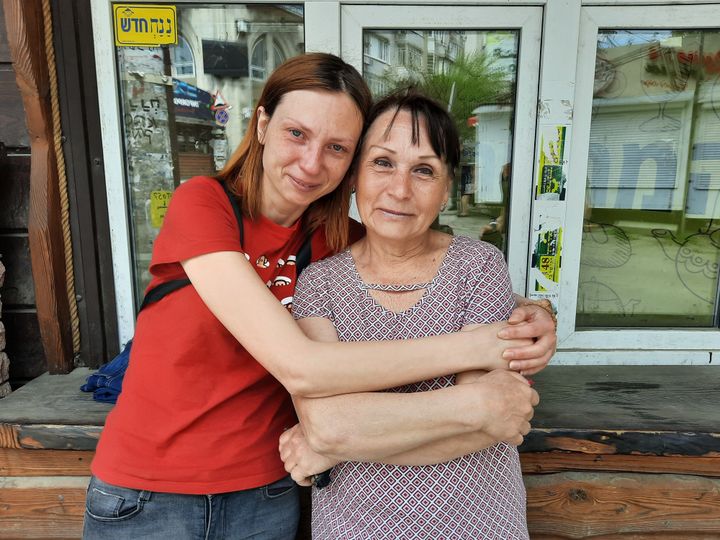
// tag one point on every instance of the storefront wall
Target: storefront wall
(591, 143)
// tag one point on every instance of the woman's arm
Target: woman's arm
(375, 426)
(235, 294)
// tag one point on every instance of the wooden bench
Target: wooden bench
(616, 452)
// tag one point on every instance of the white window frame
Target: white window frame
(527, 19)
(620, 345)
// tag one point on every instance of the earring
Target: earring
(443, 206)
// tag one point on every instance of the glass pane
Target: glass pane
(473, 72)
(186, 107)
(650, 246)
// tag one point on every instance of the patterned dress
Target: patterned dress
(477, 496)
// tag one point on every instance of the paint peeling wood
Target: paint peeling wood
(589, 505)
(59, 437)
(15, 462)
(660, 443)
(24, 23)
(553, 462)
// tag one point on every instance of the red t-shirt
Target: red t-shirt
(197, 413)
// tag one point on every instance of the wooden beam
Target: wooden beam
(597, 505)
(24, 21)
(50, 507)
(15, 462)
(553, 462)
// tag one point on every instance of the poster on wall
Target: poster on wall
(552, 162)
(546, 260)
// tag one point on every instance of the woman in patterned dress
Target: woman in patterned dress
(409, 463)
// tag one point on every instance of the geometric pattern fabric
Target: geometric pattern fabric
(477, 496)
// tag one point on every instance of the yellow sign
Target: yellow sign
(159, 201)
(143, 25)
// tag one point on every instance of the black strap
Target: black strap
(161, 291)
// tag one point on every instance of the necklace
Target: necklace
(396, 288)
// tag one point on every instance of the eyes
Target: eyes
(423, 170)
(334, 147)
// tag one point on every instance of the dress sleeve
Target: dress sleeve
(489, 296)
(312, 297)
(199, 220)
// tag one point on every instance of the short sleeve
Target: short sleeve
(312, 297)
(199, 220)
(489, 297)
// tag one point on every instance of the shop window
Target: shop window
(174, 132)
(479, 91)
(650, 249)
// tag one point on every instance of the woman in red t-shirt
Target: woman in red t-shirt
(190, 449)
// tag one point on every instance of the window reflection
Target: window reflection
(473, 73)
(650, 246)
(186, 106)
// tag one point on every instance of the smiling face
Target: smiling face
(400, 185)
(308, 146)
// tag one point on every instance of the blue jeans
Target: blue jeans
(266, 513)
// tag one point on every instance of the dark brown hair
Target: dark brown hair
(243, 171)
(441, 129)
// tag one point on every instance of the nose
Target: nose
(400, 184)
(311, 159)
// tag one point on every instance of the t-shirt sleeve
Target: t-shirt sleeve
(199, 220)
(312, 297)
(489, 296)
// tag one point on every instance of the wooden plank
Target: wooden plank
(13, 129)
(14, 462)
(60, 437)
(24, 23)
(9, 436)
(662, 443)
(14, 192)
(44, 508)
(553, 462)
(18, 290)
(589, 505)
(54, 400)
(632, 398)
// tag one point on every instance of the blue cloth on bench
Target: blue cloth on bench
(106, 382)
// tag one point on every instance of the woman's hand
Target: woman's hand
(530, 321)
(301, 461)
(492, 348)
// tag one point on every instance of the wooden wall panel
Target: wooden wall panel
(590, 505)
(42, 508)
(552, 462)
(14, 462)
(13, 129)
(24, 25)
(18, 288)
(14, 192)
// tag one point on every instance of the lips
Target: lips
(303, 186)
(394, 213)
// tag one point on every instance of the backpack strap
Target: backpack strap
(162, 290)
(304, 255)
